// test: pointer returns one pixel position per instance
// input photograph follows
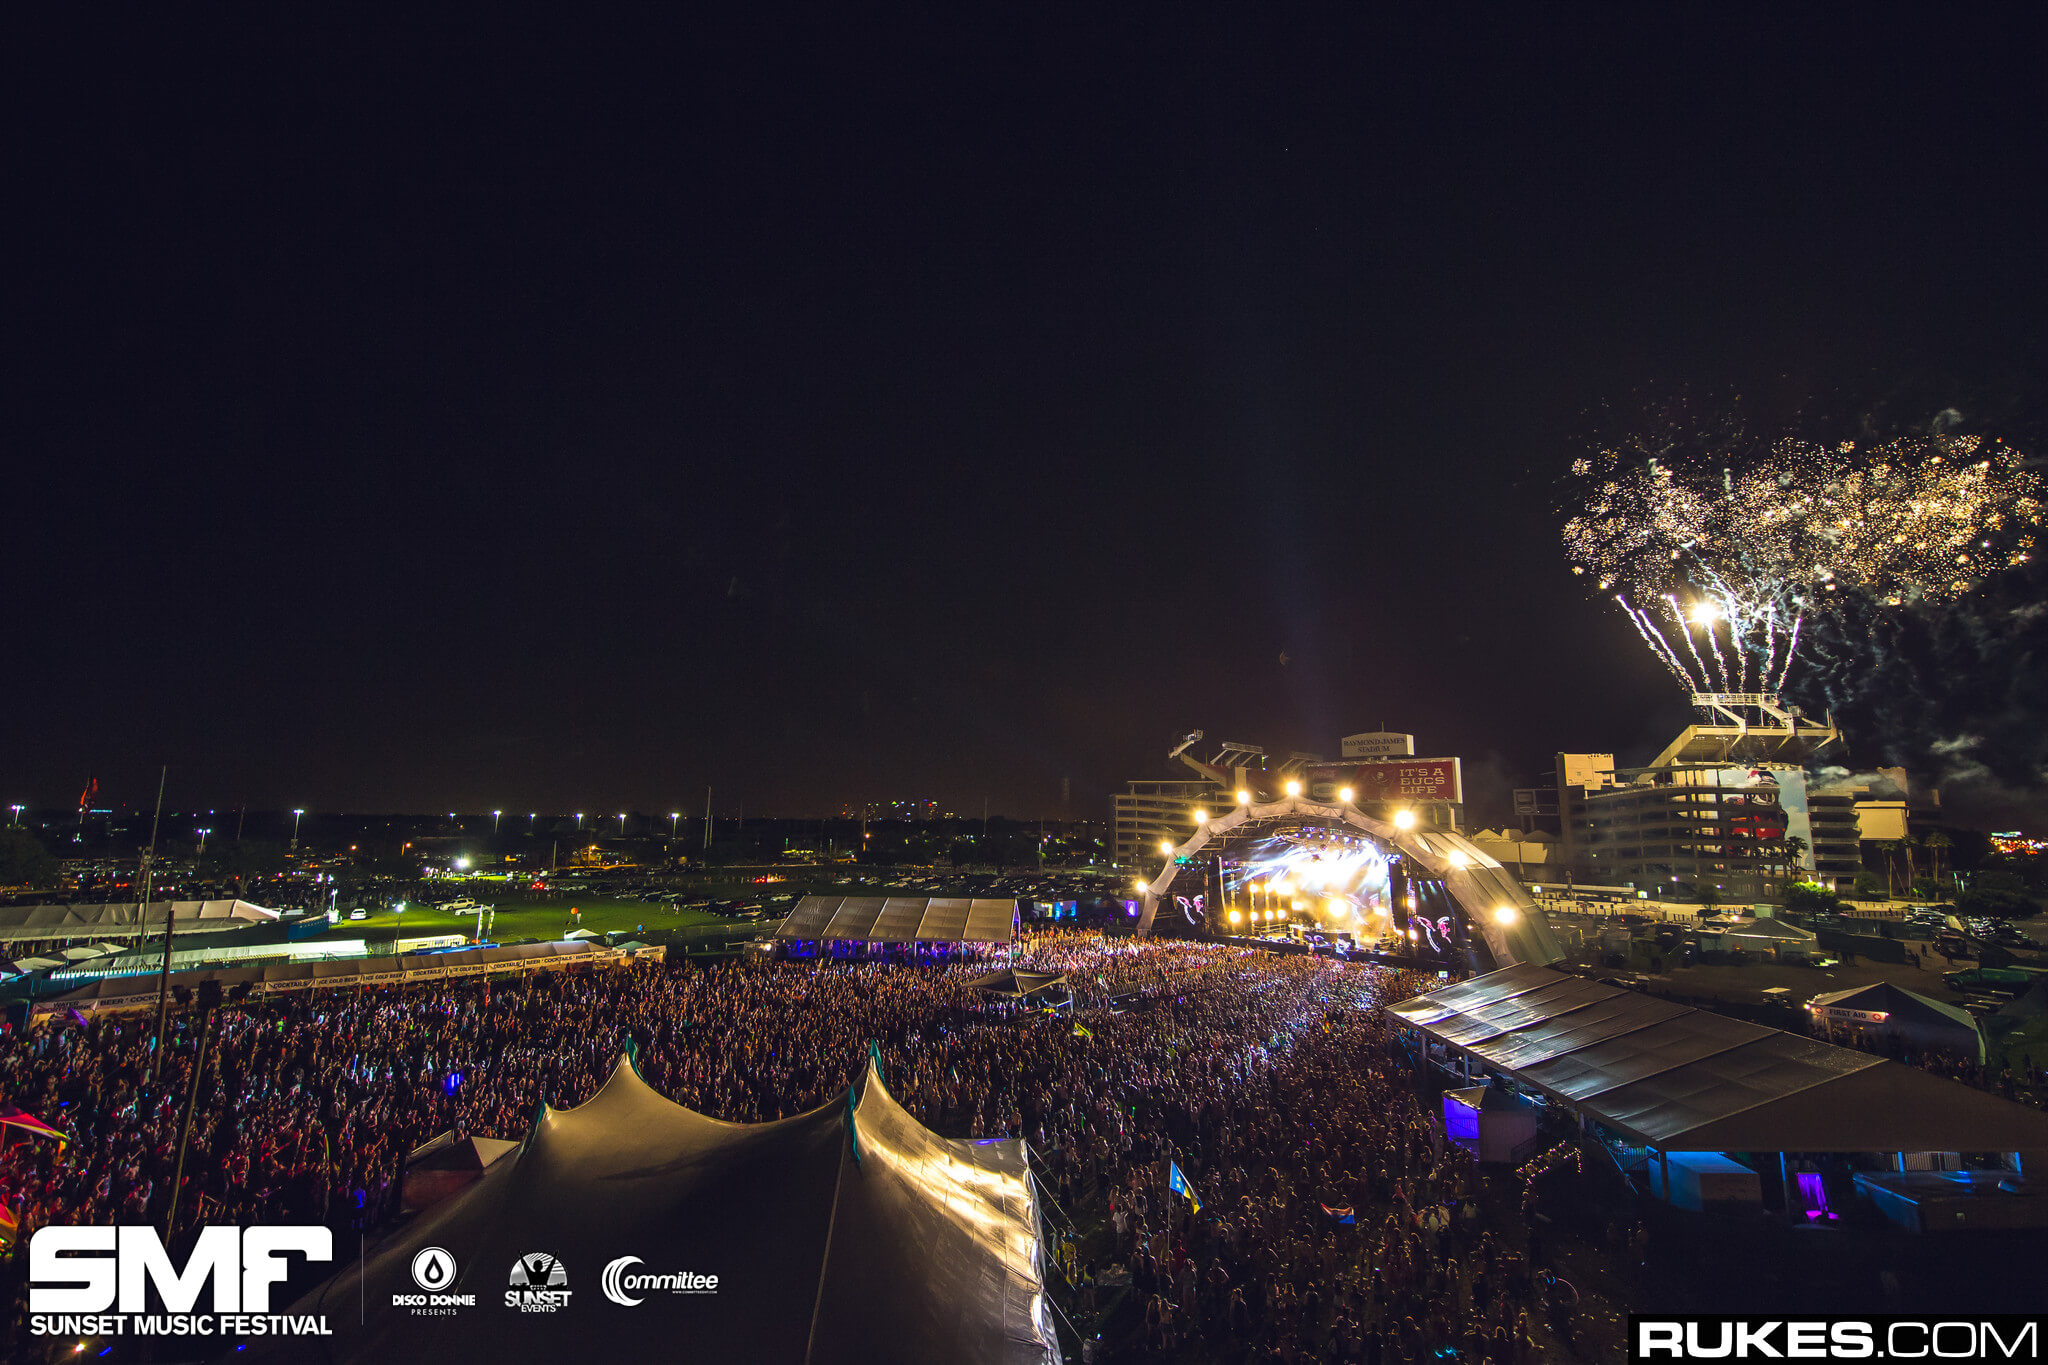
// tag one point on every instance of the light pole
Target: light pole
(496, 816)
(673, 816)
(622, 824)
(202, 846)
(579, 819)
(17, 812)
(531, 816)
(296, 816)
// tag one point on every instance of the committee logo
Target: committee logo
(539, 1284)
(618, 1282)
(433, 1270)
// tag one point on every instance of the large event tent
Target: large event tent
(901, 919)
(848, 1234)
(124, 919)
(1671, 1078)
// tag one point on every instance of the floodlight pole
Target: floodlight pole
(163, 984)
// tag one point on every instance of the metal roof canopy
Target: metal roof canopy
(900, 919)
(1681, 1079)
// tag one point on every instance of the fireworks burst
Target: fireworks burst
(1718, 569)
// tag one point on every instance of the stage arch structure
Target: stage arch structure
(1432, 888)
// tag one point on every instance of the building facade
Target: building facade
(1147, 812)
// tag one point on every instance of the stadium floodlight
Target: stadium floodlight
(1201, 816)
(462, 864)
(1293, 787)
(1507, 914)
(1244, 798)
(1404, 819)
(1345, 794)
(673, 816)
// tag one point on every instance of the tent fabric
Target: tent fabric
(1017, 985)
(1683, 1079)
(123, 919)
(1509, 981)
(1771, 929)
(140, 989)
(850, 1233)
(2028, 1006)
(1882, 997)
(900, 919)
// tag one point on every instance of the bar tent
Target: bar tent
(1019, 985)
(900, 919)
(851, 1233)
(1673, 1078)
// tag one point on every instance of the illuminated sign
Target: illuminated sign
(1395, 779)
(1378, 744)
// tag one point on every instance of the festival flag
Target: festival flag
(1178, 1183)
(1343, 1215)
(1080, 1032)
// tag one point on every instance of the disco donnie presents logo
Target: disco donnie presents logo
(433, 1270)
(539, 1284)
(619, 1283)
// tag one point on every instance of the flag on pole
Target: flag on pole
(1178, 1183)
(1080, 1032)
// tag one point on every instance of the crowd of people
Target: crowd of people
(1323, 1216)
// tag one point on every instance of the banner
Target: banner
(1397, 779)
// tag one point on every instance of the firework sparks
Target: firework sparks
(1740, 558)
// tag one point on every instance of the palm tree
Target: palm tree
(1906, 846)
(1938, 845)
(1891, 848)
(1795, 852)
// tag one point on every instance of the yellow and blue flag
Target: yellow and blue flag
(1178, 1183)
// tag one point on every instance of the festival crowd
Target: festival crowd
(1323, 1219)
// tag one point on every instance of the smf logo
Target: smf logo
(71, 1271)
(433, 1270)
(618, 1284)
(538, 1284)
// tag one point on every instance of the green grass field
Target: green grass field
(544, 919)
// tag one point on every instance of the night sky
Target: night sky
(467, 416)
